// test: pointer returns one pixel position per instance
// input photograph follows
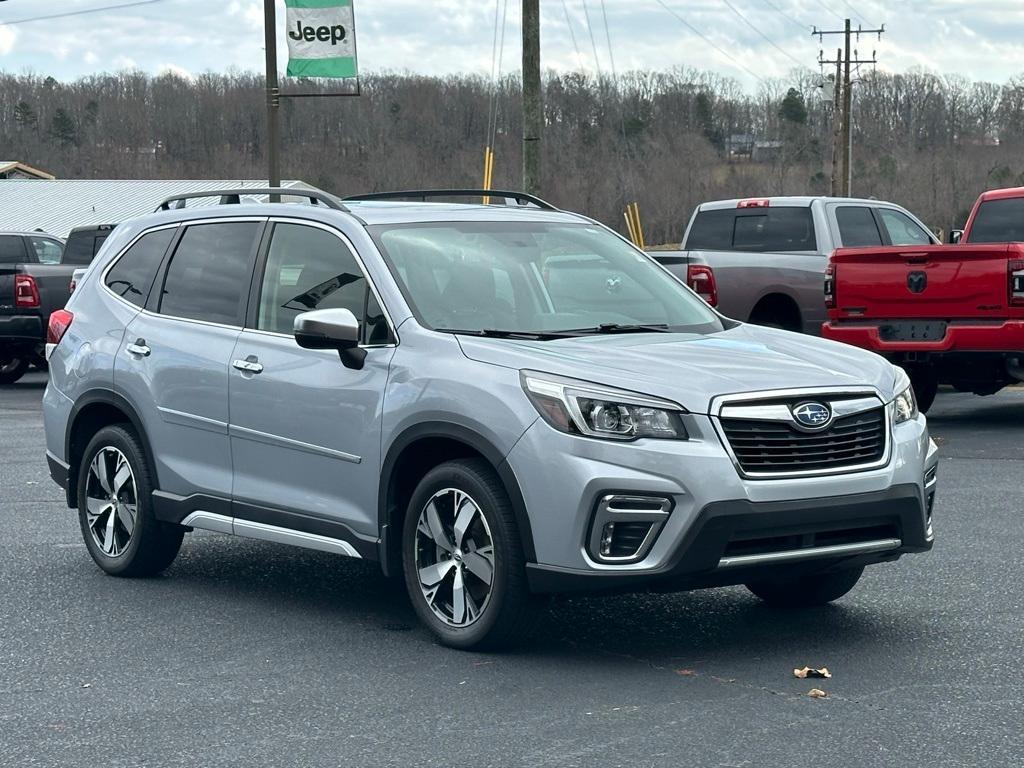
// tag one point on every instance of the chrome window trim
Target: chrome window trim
(359, 262)
(722, 402)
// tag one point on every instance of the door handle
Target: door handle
(249, 365)
(138, 347)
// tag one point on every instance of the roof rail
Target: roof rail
(234, 197)
(521, 198)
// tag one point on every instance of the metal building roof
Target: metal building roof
(57, 207)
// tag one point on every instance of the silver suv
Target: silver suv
(493, 402)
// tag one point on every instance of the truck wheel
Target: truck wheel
(115, 509)
(925, 381)
(462, 558)
(806, 591)
(12, 369)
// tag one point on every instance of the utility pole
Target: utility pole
(843, 130)
(837, 127)
(532, 109)
(273, 97)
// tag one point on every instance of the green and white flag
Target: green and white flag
(321, 38)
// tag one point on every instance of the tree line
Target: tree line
(668, 140)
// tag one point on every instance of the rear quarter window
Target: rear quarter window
(132, 276)
(999, 221)
(754, 230)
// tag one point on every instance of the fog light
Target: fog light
(606, 539)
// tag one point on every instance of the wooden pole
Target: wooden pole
(532, 110)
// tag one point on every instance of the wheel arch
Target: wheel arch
(777, 303)
(411, 455)
(91, 412)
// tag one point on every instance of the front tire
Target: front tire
(115, 508)
(808, 590)
(462, 558)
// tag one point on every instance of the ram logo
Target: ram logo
(917, 282)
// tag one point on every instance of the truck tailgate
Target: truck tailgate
(936, 282)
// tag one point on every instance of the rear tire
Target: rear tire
(115, 509)
(12, 369)
(462, 558)
(806, 591)
(925, 381)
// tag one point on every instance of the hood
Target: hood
(692, 369)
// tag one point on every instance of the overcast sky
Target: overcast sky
(977, 38)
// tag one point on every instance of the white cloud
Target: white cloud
(978, 38)
(8, 36)
(174, 69)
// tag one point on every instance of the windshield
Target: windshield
(534, 278)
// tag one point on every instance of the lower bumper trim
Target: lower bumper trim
(790, 555)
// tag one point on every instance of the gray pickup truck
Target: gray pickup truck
(763, 260)
(33, 283)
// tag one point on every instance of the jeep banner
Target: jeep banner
(321, 38)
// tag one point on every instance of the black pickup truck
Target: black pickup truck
(33, 283)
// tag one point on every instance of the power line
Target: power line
(593, 42)
(765, 37)
(608, 37)
(822, 4)
(855, 12)
(774, 7)
(710, 42)
(572, 34)
(79, 13)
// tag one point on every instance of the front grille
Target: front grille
(776, 447)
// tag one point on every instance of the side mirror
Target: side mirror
(955, 235)
(331, 329)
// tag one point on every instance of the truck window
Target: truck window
(47, 251)
(857, 227)
(902, 229)
(761, 230)
(12, 250)
(999, 221)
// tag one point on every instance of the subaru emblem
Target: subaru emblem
(812, 415)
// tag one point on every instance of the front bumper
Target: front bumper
(996, 336)
(717, 517)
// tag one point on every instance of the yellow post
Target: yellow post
(488, 170)
(629, 223)
(639, 228)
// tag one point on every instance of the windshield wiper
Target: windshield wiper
(495, 333)
(622, 328)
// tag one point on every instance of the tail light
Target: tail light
(26, 292)
(59, 323)
(72, 285)
(830, 287)
(1015, 278)
(701, 279)
(760, 202)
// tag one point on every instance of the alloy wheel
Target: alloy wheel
(454, 557)
(112, 504)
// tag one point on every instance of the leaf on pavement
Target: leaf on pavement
(817, 693)
(806, 672)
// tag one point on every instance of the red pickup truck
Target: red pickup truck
(949, 314)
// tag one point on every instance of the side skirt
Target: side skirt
(211, 521)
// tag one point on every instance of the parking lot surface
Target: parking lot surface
(246, 653)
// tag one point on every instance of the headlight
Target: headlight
(906, 405)
(579, 408)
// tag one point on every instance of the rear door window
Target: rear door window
(902, 229)
(12, 250)
(759, 230)
(82, 246)
(999, 221)
(132, 276)
(857, 227)
(209, 275)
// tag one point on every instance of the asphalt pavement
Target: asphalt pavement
(246, 653)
